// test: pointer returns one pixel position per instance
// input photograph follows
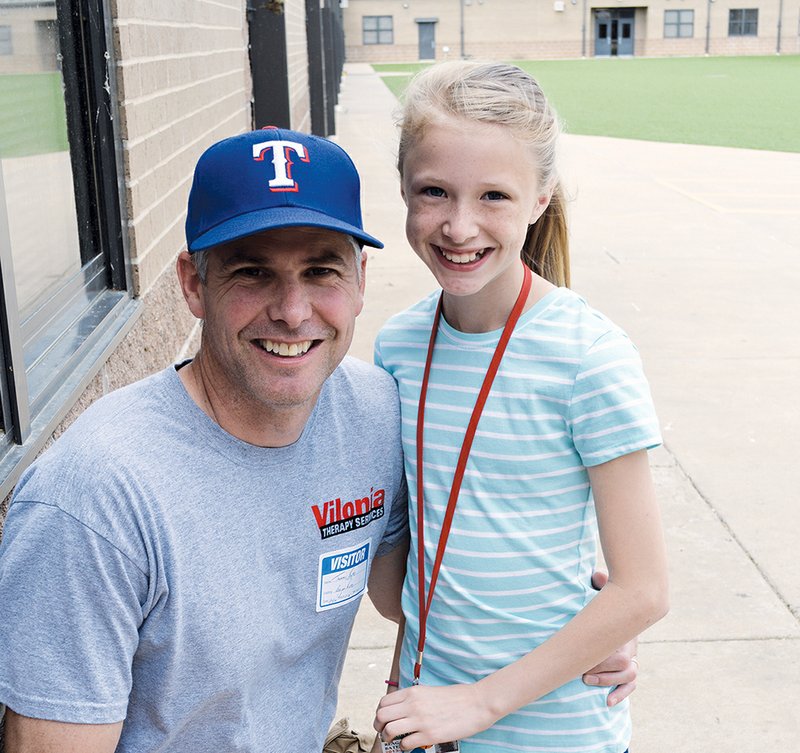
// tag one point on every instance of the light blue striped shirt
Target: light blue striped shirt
(570, 393)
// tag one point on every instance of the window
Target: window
(378, 29)
(5, 41)
(63, 274)
(743, 22)
(678, 23)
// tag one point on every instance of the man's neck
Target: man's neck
(262, 428)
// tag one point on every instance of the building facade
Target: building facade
(105, 107)
(407, 30)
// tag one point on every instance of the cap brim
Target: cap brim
(272, 218)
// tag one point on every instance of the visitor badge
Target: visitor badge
(342, 576)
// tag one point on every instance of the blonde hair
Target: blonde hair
(505, 95)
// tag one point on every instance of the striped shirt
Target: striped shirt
(570, 393)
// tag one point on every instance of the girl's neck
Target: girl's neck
(485, 311)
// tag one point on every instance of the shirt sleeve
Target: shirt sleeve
(72, 607)
(611, 410)
(377, 357)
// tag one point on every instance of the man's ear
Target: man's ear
(363, 283)
(191, 285)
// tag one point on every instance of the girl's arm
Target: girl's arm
(633, 599)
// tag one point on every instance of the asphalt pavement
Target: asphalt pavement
(695, 252)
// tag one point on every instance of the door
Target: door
(625, 38)
(602, 33)
(427, 40)
(613, 32)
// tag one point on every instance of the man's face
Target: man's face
(279, 312)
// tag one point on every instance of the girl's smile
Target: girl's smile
(461, 257)
(472, 190)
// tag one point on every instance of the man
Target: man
(181, 570)
(190, 555)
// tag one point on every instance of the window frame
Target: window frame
(84, 320)
(679, 24)
(743, 22)
(378, 30)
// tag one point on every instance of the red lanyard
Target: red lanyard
(425, 604)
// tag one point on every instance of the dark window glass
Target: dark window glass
(743, 22)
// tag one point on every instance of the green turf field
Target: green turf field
(748, 102)
(32, 117)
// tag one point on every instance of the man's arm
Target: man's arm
(26, 735)
(385, 585)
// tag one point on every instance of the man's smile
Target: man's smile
(291, 350)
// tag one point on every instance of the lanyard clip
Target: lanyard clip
(418, 666)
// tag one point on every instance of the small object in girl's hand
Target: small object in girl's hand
(394, 747)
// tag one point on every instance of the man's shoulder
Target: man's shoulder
(121, 411)
(364, 377)
(363, 392)
(108, 434)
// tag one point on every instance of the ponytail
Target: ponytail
(546, 249)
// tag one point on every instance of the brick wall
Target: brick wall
(184, 83)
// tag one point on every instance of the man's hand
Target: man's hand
(620, 669)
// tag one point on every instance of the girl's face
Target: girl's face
(471, 190)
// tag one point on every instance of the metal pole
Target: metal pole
(780, 22)
(708, 24)
(583, 31)
(461, 20)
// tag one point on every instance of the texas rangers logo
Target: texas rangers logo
(281, 162)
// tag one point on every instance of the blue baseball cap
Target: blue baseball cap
(273, 178)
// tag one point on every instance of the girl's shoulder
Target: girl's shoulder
(565, 310)
(418, 316)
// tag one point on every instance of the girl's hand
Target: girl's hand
(428, 715)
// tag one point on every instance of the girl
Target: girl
(526, 420)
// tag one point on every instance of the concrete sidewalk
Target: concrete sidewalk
(695, 251)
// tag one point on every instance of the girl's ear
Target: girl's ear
(539, 207)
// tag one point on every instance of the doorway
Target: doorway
(427, 38)
(613, 32)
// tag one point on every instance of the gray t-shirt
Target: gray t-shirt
(158, 570)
